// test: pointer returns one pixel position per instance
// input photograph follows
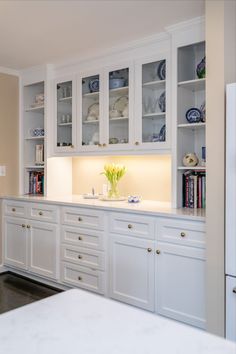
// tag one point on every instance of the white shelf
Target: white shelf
(153, 115)
(91, 94)
(121, 90)
(193, 85)
(34, 167)
(38, 109)
(192, 125)
(118, 118)
(35, 138)
(154, 84)
(65, 99)
(64, 124)
(95, 121)
(195, 168)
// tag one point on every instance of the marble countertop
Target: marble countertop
(79, 322)
(149, 207)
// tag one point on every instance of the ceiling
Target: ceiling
(38, 32)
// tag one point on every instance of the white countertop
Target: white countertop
(150, 207)
(77, 322)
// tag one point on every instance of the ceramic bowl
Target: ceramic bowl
(116, 83)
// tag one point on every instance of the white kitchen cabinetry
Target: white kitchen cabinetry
(132, 271)
(15, 242)
(231, 308)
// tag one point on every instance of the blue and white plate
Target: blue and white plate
(203, 110)
(161, 70)
(162, 102)
(94, 85)
(193, 115)
(162, 133)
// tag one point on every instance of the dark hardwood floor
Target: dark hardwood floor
(16, 291)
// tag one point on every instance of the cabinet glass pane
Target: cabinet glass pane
(154, 102)
(64, 114)
(90, 110)
(119, 106)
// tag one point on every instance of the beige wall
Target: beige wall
(9, 97)
(148, 176)
(221, 59)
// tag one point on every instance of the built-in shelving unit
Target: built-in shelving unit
(191, 182)
(33, 134)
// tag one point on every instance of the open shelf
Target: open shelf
(91, 94)
(33, 167)
(35, 138)
(120, 90)
(153, 115)
(38, 109)
(95, 121)
(153, 84)
(193, 85)
(192, 125)
(118, 118)
(65, 124)
(65, 99)
(195, 168)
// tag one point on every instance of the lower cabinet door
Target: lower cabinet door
(43, 248)
(132, 271)
(180, 283)
(231, 308)
(15, 242)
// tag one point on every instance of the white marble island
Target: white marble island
(78, 322)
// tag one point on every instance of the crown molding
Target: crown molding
(9, 71)
(185, 25)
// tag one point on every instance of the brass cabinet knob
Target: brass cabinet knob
(130, 226)
(158, 251)
(40, 213)
(28, 226)
(79, 256)
(104, 145)
(13, 209)
(80, 278)
(149, 249)
(234, 290)
(80, 238)
(23, 225)
(182, 234)
(136, 143)
(72, 146)
(80, 219)
(99, 145)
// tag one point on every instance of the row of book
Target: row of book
(194, 189)
(36, 182)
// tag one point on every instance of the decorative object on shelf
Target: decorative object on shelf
(162, 102)
(203, 161)
(37, 132)
(203, 112)
(39, 101)
(113, 141)
(63, 118)
(193, 115)
(68, 118)
(39, 155)
(95, 139)
(150, 104)
(113, 173)
(91, 117)
(94, 85)
(125, 112)
(190, 160)
(115, 83)
(92, 195)
(162, 133)
(93, 112)
(201, 69)
(161, 70)
(120, 103)
(114, 113)
(123, 141)
(134, 199)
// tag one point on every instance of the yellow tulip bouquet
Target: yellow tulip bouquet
(113, 173)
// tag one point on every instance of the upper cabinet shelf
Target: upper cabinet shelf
(153, 84)
(36, 109)
(193, 85)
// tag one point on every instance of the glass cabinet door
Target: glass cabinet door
(154, 102)
(119, 111)
(64, 136)
(90, 112)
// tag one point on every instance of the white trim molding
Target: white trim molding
(9, 71)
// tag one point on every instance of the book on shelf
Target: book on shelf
(36, 182)
(194, 189)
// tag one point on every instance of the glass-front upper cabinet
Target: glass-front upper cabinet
(120, 104)
(90, 112)
(65, 116)
(152, 105)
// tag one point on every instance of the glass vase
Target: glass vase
(113, 190)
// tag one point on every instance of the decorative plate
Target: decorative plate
(94, 85)
(193, 115)
(201, 69)
(120, 103)
(161, 70)
(162, 133)
(94, 109)
(203, 111)
(162, 101)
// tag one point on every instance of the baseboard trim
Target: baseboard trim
(2, 269)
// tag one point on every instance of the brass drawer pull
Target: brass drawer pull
(80, 219)
(79, 256)
(40, 213)
(80, 238)
(104, 145)
(130, 226)
(28, 226)
(182, 234)
(234, 290)
(13, 209)
(72, 146)
(149, 249)
(158, 251)
(80, 278)
(136, 143)
(23, 225)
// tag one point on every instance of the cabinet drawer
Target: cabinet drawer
(14, 208)
(84, 238)
(92, 219)
(44, 212)
(83, 277)
(185, 232)
(85, 257)
(132, 225)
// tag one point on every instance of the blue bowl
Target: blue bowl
(116, 83)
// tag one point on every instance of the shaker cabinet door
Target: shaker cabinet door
(132, 271)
